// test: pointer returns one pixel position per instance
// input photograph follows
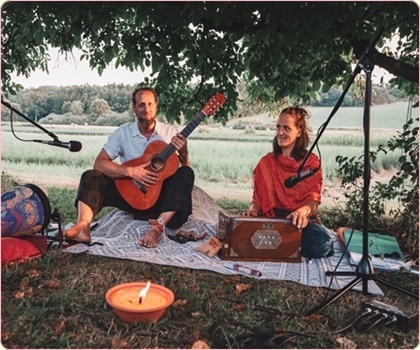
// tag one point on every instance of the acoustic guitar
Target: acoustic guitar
(163, 160)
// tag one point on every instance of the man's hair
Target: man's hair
(143, 88)
(302, 142)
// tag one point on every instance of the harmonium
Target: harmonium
(247, 238)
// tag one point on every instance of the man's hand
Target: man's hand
(180, 143)
(142, 175)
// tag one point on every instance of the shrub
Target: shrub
(403, 187)
(113, 119)
(249, 130)
(260, 126)
(239, 126)
(63, 119)
(203, 130)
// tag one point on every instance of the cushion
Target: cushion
(15, 249)
(39, 241)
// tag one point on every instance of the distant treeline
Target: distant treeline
(355, 98)
(111, 104)
(78, 100)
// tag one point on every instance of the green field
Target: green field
(222, 157)
(387, 116)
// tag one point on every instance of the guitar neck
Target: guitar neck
(200, 116)
(189, 128)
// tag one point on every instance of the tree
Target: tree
(276, 49)
(76, 107)
(99, 108)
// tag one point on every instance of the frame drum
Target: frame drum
(25, 210)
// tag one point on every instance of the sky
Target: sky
(73, 71)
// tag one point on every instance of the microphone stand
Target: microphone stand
(49, 133)
(364, 270)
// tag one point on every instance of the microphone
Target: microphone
(292, 181)
(73, 146)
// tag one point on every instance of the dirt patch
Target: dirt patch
(331, 192)
(45, 180)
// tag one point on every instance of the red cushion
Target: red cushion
(39, 241)
(13, 249)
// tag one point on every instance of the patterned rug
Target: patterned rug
(118, 234)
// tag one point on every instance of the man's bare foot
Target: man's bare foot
(151, 237)
(78, 233)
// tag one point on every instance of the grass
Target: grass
(58, 302)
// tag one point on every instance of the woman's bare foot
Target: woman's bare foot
(78, 233)
(151, 237)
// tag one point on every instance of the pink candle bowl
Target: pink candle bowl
(124, 299)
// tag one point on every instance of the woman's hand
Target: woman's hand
(299, 218)
(253, 210)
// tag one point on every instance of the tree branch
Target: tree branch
(393, 66)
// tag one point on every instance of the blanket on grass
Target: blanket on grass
(118, 234)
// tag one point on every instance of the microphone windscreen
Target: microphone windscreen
(75, 146)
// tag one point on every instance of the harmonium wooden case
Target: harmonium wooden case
(247, 238)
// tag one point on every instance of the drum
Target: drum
(25, 210)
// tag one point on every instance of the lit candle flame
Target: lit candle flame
(143, 292)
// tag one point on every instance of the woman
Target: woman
(271, 198)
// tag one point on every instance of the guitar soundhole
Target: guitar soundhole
(157, 163)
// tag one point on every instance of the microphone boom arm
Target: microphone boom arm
(49, 133)
(356, 71)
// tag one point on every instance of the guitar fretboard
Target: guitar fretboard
(169, 149)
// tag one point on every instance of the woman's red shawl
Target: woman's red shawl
(269, 190)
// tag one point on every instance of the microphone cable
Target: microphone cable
(13, 130)
(357, 318)
(250, 339)
(382, 318)
(333, 273)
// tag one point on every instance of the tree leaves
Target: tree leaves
(195, 49)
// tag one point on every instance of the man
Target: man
(97, 187)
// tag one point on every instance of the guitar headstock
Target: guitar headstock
(214, 104)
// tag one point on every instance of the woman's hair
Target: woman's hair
(302, 142)
(143, 88)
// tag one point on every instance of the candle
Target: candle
(143, 292)
(129, 299)
(124, 299)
